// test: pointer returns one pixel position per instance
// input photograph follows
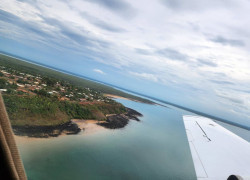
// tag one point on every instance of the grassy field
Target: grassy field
(77, 81)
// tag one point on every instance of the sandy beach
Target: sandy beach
(89, 126)
(120, 97)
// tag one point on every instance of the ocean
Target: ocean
(154, 148)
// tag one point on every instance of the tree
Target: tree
(3, 83)
(43, 92)
(49, 81)
(10, 91)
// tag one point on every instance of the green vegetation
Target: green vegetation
(34, 111)
(5, 85)
(44, 111)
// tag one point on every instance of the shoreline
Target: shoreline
(88, 126)
(120, 97)
(76, 126)
(67, 128)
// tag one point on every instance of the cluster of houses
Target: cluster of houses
(25, 83)
(29, 84)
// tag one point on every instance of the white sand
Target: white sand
(89, 126)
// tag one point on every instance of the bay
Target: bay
(154, 148)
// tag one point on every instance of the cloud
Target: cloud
(222, 82)
(79, 38)
(121, 7)
(242, 90)
(172, 54)
(108, 27)
(234, 100)
(26, 25)
(230, 42)
(142, 51)
(146, 76)
(196, 4)
(204, 62)
(99, 71)
(102, 24)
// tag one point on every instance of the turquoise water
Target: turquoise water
(155, 148)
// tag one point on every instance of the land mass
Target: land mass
(41, 105)
(115, 121)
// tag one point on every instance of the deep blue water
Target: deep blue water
(154, 148)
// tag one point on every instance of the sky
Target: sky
(193, 53)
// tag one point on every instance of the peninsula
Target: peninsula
(42, 105)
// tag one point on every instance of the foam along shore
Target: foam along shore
(89, 126)
(217, 152)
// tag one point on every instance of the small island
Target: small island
(39, 105)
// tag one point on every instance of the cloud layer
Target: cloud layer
(199, 48)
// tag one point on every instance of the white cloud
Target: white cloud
(99, 71)
(146, 76)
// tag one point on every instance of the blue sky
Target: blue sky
(193, 53)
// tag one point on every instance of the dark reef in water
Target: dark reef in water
(121, 120)
(46, 131)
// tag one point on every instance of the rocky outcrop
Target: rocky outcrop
(46, 131)
(121, 120)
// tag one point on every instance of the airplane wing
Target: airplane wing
(217, 152)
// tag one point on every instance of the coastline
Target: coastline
(46, 131)
(120, 97)
(76, 126)
(89, 126)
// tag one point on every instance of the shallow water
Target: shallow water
(155, 148)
